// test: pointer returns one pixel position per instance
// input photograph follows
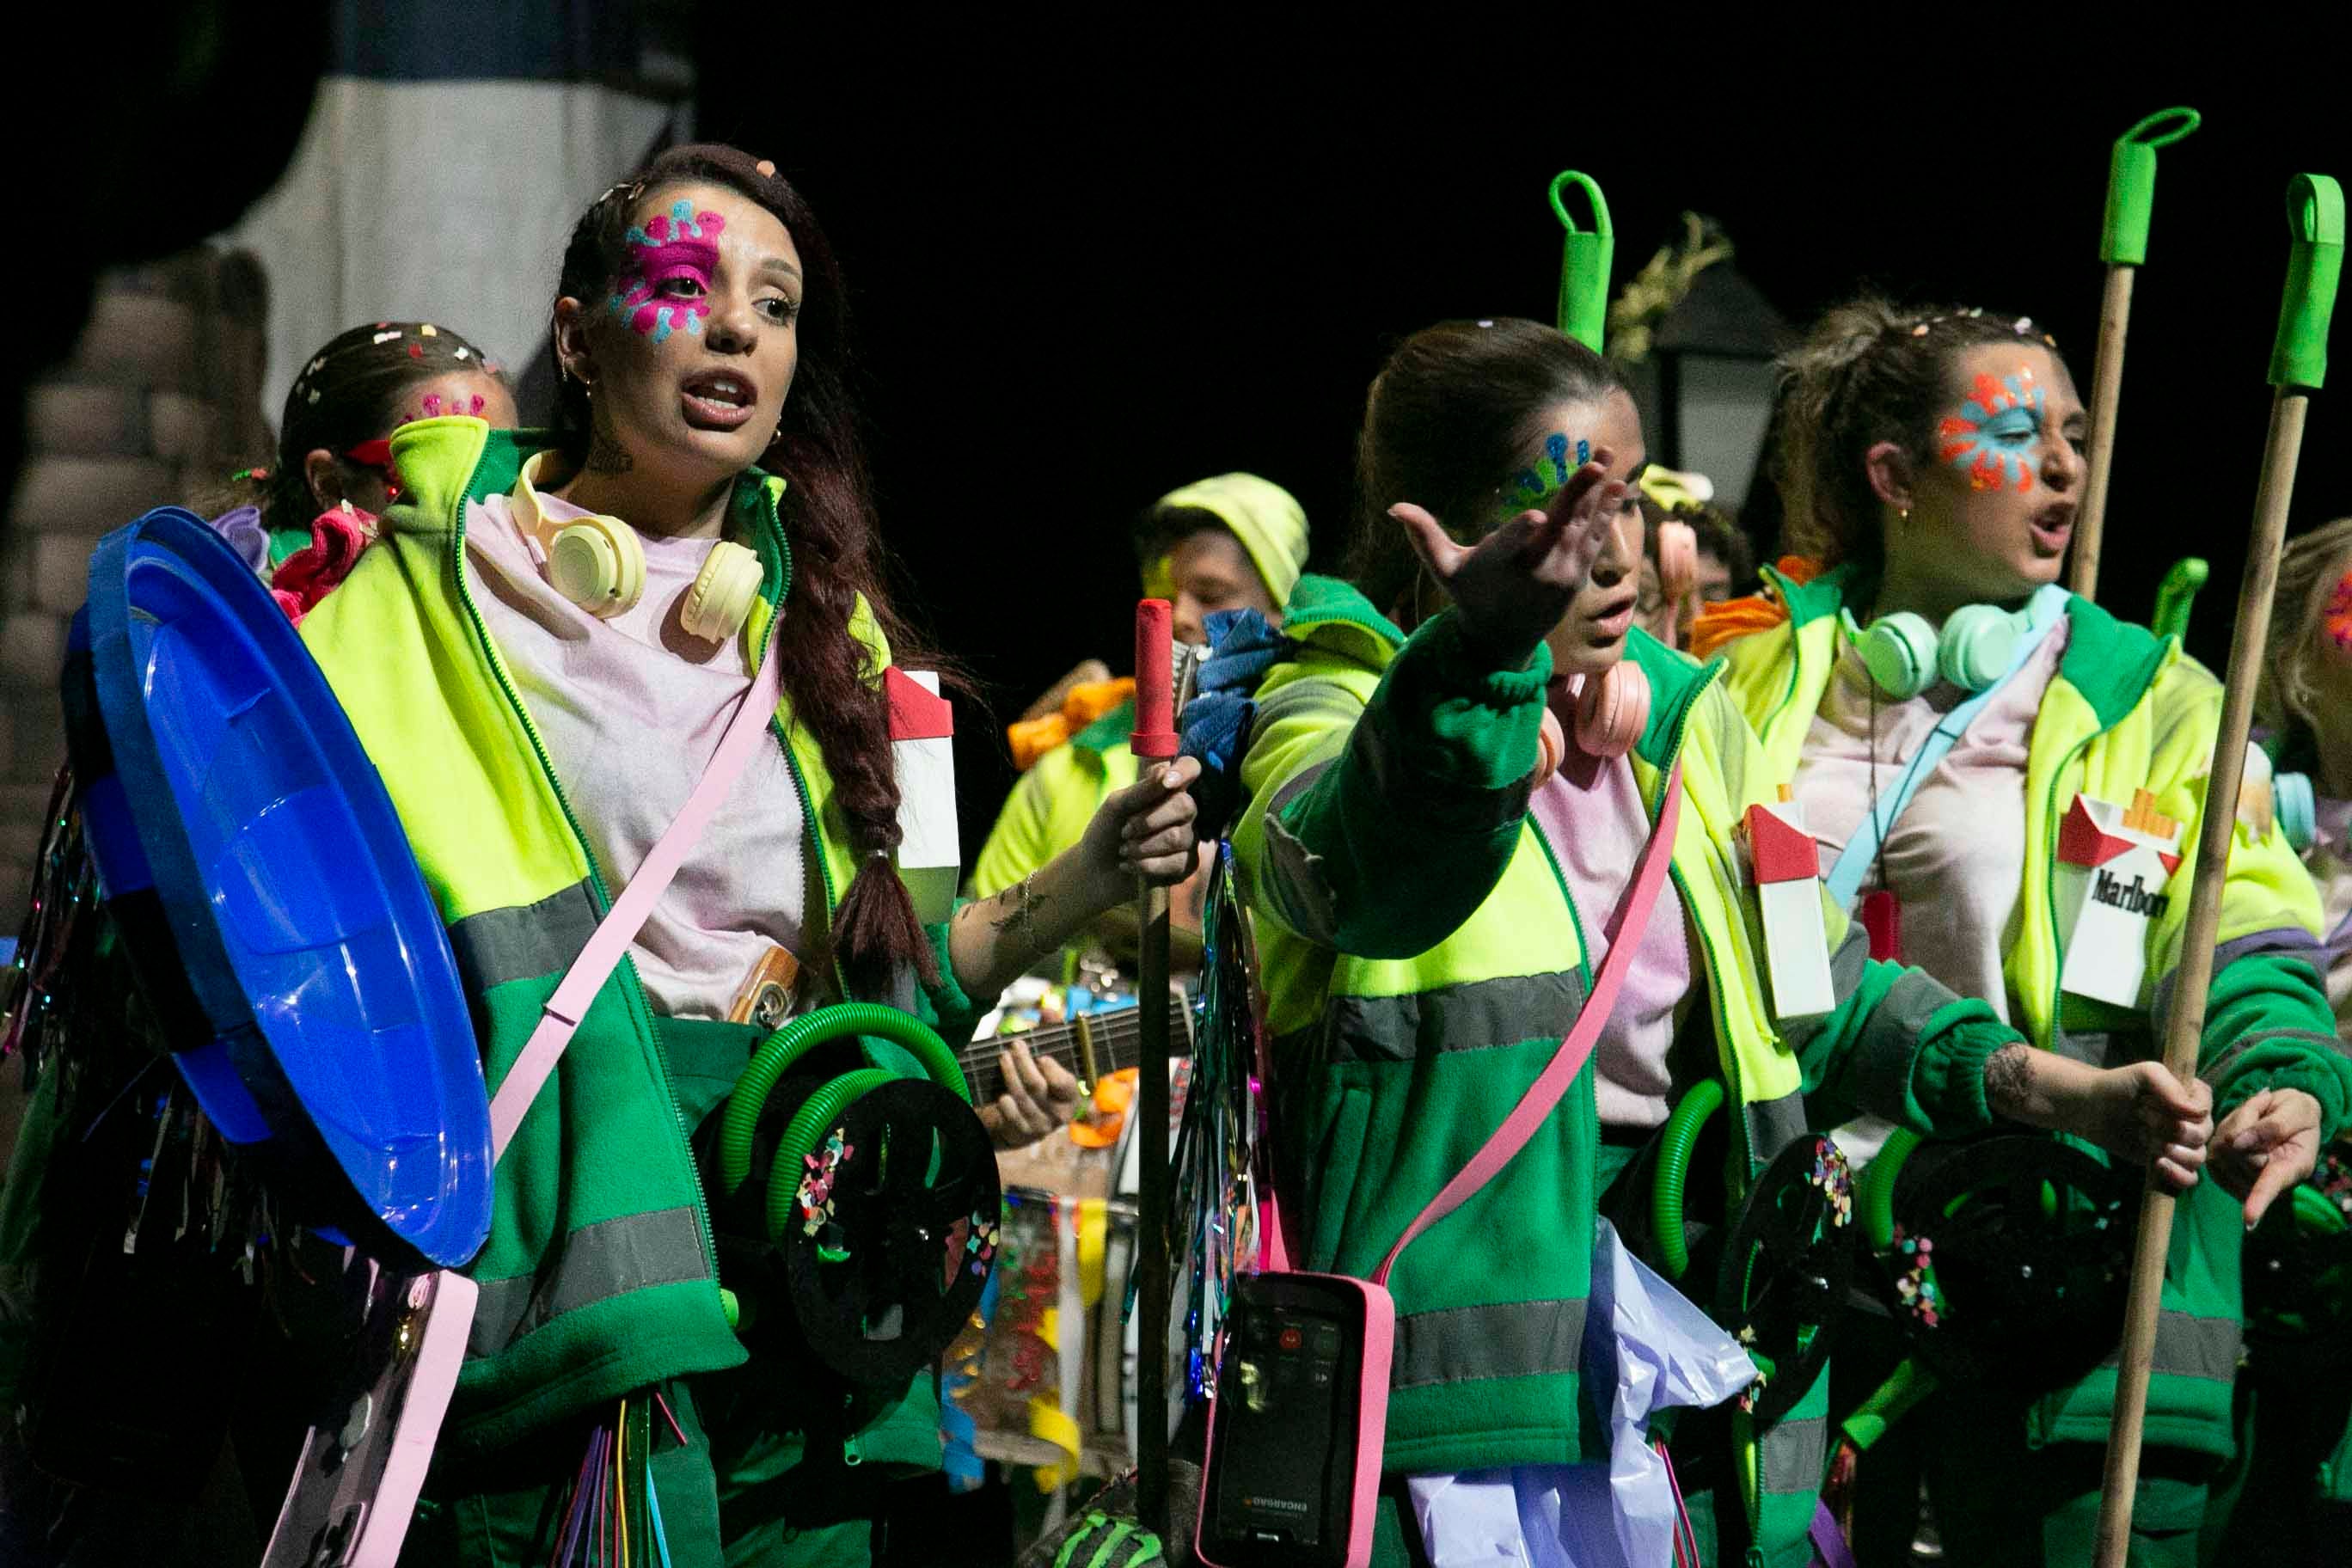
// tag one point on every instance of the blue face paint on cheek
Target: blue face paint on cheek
(1530, 487)
(1995, 437)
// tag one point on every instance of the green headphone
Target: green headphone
(1906, 655)
(877, 1224)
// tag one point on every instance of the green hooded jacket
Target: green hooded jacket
(1422, 959)
(2126, 711)
(599, 1276)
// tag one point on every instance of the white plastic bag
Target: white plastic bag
(1651, 1348)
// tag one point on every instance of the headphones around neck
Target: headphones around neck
(1611, 711)
(1906, 655)
(598, 563)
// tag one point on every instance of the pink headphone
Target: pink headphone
(1610, 713)
(1678, 574)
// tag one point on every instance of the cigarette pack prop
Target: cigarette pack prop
(922, 748)
(1789, 888)
(2112, 865)
(1296, 1429)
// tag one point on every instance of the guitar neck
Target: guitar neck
(1116, 1038)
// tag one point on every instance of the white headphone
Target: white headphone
(598, 563)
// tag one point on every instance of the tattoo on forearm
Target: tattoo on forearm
(2007, 1073)
(1018, 905)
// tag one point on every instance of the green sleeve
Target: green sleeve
(2268, 1026)
(1898, 1044)
(1383, 841)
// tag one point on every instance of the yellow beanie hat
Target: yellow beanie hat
(1265, 518)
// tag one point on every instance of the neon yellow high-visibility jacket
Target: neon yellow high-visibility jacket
(599, 1275)
(1051, 803)
(1423, 958)
(2128, 710)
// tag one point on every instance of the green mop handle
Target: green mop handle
(2123, 245)
(1584, 260)
(2315, 208)
(2177, 595)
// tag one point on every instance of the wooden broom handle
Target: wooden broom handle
(2186, 1023)
(2107, 391)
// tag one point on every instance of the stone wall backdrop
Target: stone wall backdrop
(159, 402)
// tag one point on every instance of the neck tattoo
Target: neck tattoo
(605, 454)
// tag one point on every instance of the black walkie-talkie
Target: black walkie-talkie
(1294, 1457)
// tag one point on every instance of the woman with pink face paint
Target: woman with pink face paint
(1979, 756)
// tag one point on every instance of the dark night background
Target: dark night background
(1083, 276)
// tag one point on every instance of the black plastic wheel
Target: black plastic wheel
(2012, 1260)
(1787, 1269)
(882, 1286)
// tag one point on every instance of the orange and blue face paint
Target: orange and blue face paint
(2338, 618)
(665, 282)
(1531, 489)
(1996, 437)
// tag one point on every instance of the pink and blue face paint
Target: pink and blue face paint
(679, 246)
(433, 405)
(1531, 489)
(1996, 437)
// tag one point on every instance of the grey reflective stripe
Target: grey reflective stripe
(1511, 1339)
(1297, 783)
(1457, 806)
(594, 1264)
(2089, 1047)
(2286, 941)
(1889, 1042)
(1846, 965)
(1475, 1016)
(1794, 1455)
(1292, 881)
(1774, 1124)
(523, 941)
(2222, 1064)
(2189, 1346)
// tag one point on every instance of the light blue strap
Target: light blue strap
(2042, 612)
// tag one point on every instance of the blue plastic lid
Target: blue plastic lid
(341, 1037)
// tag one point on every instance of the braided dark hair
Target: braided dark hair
(348, 391)
(828, 513)
(1867, 372)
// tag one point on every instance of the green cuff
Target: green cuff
(1947, 1085)
(955, 1013)
(1466, 672)
(2322, 1082)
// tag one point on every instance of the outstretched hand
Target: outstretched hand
(2266, 1146)
(1516, 585)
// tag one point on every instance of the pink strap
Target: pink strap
(621, 923)
(1624, 932)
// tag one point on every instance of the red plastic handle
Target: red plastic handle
(1155, 681)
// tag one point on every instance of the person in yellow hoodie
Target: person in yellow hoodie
(1231, 543)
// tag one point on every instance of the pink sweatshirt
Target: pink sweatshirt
(631, 710)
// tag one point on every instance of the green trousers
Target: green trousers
(1999, 1501)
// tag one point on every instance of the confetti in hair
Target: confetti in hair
(386, 337)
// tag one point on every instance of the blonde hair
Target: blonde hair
(2309, 570)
